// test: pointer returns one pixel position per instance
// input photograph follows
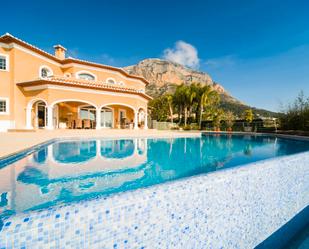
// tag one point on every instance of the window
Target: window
(4, 106)
(4, 62)
(45, 72)
(111, 81)
(87, 112)
(85, 76)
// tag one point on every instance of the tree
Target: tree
(229, 118)
(169, 99)
(296, 115)
(178, 100)
(217, 117)
(207, 98)
(248, 116)
(159, 109)
(184, 97)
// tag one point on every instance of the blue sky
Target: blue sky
(258, 50)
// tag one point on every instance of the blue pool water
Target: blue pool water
(72, 170)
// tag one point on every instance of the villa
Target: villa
(41, 90)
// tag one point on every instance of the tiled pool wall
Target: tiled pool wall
(234, 208)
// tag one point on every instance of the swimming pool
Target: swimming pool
(85, 183)
(65, 171)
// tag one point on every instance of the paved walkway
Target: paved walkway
(12, 142)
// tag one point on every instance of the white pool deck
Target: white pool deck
(13, 142)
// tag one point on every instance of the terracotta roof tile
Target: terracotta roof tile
(59, 80)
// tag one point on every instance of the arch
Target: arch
(51, 73)
(121, 104)
(29, 111)
(32, 101)
(73, 100)
(85, 72)
(142, 108)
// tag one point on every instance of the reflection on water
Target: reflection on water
(117, 148)
(67, 171)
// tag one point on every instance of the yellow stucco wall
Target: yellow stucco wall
(24, 65)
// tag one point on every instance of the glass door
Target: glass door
(106, 118)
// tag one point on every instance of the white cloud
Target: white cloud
(183, 53)
(220, 62)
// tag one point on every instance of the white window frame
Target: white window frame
(112, 80)
(7, 58)
(7, 101)
(51, 73)
(85, 72)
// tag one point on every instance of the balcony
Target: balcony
(82, 83)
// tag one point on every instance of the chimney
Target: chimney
(60, 52)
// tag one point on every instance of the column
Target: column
(28, 118)
(135, 120)
(98, 119)
(50, 118)
(146, 121)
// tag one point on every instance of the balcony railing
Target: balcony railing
(91, 83)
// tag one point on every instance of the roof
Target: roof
(72, 82)
(8, 38)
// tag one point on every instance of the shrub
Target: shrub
(187, 128)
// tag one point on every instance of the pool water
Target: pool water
(72, 170)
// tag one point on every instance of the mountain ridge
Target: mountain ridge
(164, 76)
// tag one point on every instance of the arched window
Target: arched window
(84, 75)
(111, 81)
(45, 72)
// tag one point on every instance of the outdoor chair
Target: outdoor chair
(87, 124)
(79, 124)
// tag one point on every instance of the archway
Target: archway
(142, 118)
(73, 114)
(118, 116)
(36, 114)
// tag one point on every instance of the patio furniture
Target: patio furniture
(87, 124)
(70, 125)
(78, 124)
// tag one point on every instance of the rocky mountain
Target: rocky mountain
(164, 76)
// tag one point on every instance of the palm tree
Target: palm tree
(183, 98)
(206, 98)
(169, 99)
(190, 95)
(178, 100)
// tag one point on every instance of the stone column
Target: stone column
(135, 120)
(98, 118)
(50, 118)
